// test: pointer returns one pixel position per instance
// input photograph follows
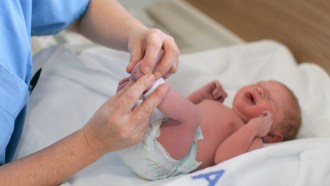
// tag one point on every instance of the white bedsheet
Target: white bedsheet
(72, 87)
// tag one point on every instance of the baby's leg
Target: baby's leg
(178, 132)
(177, 137)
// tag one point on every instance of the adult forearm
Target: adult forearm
(52, 165)
(106, 22)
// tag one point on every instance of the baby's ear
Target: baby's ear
(273, 137)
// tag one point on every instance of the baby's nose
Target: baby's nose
(261, 92)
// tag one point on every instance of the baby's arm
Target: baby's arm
(257, 143)
(212, 90)
(245, 139)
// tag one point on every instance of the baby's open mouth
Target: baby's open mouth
(250, 98)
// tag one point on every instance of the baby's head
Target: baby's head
(251, 100)
(291, 122)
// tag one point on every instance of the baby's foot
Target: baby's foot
(136, 72)
(122, 83)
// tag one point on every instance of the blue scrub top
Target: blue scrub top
(19, 19)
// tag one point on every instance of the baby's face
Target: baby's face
(250, 101)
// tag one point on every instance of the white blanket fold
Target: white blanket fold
(301, 162)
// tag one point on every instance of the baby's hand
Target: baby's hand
(218, 92)
(214, 91)
(263, 123)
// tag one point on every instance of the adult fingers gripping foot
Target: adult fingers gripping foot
(169, 62)
(144, 43)
(138, 119)
(148, 45)
(161, 54)
(115, 126)
(152, 42)
(142, 113)
(136, 48)
(122, 84)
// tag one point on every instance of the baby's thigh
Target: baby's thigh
(176, 138)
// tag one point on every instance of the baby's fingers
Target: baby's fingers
(220, 95)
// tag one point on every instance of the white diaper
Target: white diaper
(151, 161)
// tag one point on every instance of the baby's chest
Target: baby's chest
(220, 122)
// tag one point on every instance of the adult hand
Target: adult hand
(116, 124)
(146, 45)
(124, 32)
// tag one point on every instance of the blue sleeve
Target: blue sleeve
(13, 96)
(53, 16)
(5, 132)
